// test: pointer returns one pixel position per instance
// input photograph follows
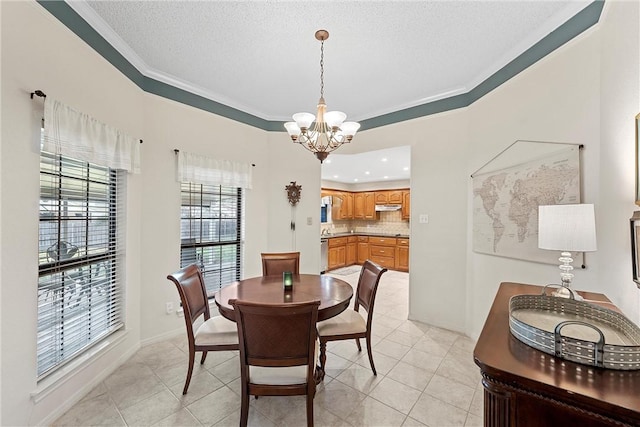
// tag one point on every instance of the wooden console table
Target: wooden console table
(526, 387)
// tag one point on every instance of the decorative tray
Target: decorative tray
(575, 330)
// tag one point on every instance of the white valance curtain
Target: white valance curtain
(206, 170)
(74, 134)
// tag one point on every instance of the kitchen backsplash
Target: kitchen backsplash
(389, 223)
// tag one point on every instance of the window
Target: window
(210, 232)
(79, 289)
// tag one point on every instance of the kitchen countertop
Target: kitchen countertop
(359, 233)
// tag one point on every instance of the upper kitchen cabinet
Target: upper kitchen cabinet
(342, 204)
(364, 206)
(389, 197)
(406, 204)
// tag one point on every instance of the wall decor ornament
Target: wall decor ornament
(293, 193)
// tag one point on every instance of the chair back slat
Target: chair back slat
(276, 334)
(193, 293)
(278, 263)
(368, 284)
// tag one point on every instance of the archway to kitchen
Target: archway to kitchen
(365, 210)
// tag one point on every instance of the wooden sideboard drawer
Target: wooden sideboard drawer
(337, 241)
(363, 239)
(352, 239)
(403, 242)
(383, 251)
(387, 262)
(385, 241)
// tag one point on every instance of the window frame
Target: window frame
(215, 274)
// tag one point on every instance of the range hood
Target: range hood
(386, 208)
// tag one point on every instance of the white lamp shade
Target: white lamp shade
(334, 118)
(292, 128)
(304, 120)
(350, 128)
(570, 228)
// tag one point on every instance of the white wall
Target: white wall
(38, 52)
(619, 103)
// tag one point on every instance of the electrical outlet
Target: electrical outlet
(309, 220)
(169, 307)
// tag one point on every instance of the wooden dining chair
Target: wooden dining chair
(278, 351)
(350, 324)
(276, 263)
(216, 333)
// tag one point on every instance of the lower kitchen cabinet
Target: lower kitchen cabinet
(337, 256)
(352, 250)
(382, 251)
(363, 249)
(402, 255)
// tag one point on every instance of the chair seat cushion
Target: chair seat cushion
(347, 322)
(281, 376)
(217, 331)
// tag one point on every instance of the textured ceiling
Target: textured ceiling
(261, 57)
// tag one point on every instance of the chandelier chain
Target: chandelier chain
(322, 69)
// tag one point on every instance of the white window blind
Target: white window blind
(81, 255)
(200, 169)
(211, 232)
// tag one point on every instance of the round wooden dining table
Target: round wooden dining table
(334, 294)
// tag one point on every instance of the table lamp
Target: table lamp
(567, 228)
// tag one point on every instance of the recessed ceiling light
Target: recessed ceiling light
(355, 179)
(406, 168)
(384, 159)
(366, 173)
(386, 177)
(328, 161)
(335, 176)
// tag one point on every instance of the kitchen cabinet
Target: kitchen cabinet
(382, 251)
(342, 204)
(347, 205)
(337, 252)
(395, 197)
(402, 255)
(363, 249)
(382, 197)
(406, 204)
(352, 250)
(364, 206)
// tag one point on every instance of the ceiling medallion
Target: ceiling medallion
(329, 131)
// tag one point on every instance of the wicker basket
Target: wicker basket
(593, 335)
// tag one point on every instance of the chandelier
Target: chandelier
(329, 131)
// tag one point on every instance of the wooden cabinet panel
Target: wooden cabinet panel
(337, 257)
(385, 251)
(337, 241)
(382, 241)
(406, 205)
(402, 255)
(352, 253)
(363, 251)
(369, 205)
(358, 205)
(387, 262)
(395, 197)
(382, 197)
(347, 206)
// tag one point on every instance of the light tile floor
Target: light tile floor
(426, 377)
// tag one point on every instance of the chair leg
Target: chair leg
(358, 344)
(192, 356)
(373, 367)
(309, 410)
(323, 356)
(204, 356)
(244, 406)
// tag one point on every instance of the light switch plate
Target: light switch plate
(424, 219)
